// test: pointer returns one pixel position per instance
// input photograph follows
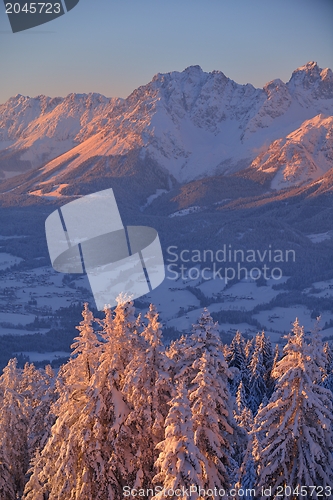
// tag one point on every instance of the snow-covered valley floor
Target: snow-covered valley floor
(29, 297)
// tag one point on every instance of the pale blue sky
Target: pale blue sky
(113, 46)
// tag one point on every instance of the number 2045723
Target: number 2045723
(33, 8)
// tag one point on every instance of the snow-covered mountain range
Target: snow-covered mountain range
(188, 125)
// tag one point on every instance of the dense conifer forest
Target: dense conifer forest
(127, 416)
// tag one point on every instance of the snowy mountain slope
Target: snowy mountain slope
(35, 130)
(302, 156)
(191, 124)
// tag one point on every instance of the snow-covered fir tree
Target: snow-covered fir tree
(34, 489)
(120, 330)
(249, 348)
(38, 390)
(248, 472)
(267, 352)
(270, 383)
(257, 386)
(14, 457)
(328, 375)
(295, 428)
(69, 465)
(317, 349)
(211, 410)
(236, 360)
(180, 463)
(328, 357)
(237, 356)
(85, 345)
(109, 401)
(241, 398)
(205, 337)
(243, 414)
(147, 389)
(328, 352)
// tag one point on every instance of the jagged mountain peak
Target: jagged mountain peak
(91, 96)
(307, 73)
(313, 79)
(308, 67)
(274, 85)
(326, 74)
(192, 75)
(195, 70)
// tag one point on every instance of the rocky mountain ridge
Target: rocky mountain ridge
(189, 125)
